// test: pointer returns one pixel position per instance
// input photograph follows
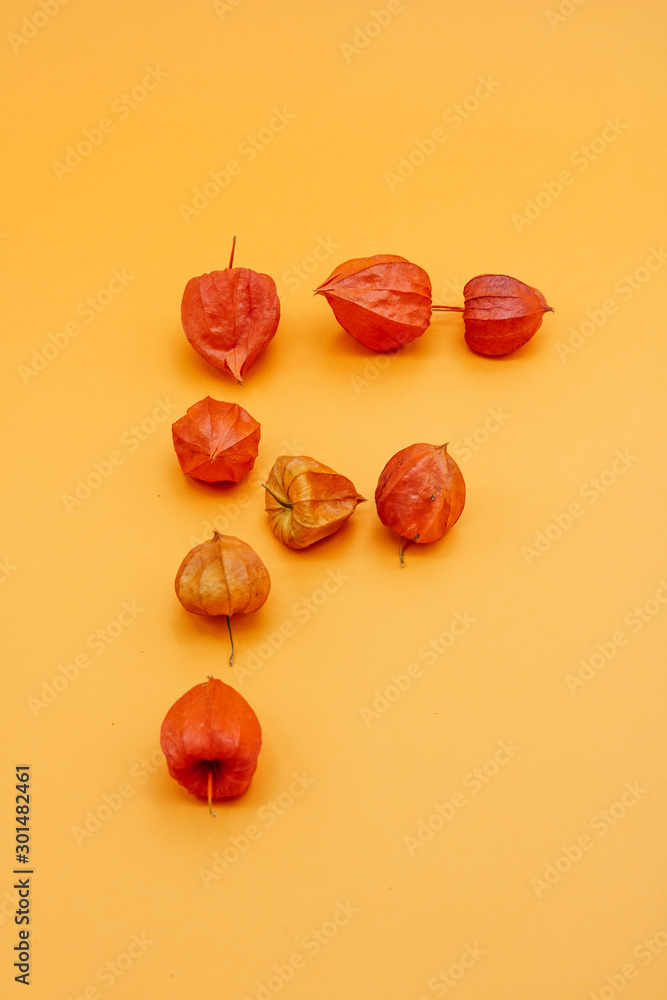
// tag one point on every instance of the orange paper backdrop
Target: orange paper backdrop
(461, 788)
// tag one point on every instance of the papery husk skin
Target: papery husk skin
(229, 316)
(382, 301)
(212, 729)
(313, 500)
(216, 442)
(223, 576)
(420, 492)
(501, 313)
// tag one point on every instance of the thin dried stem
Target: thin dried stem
(231, 639)
(281, 502)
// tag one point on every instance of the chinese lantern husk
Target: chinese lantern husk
(223, 576)
(420, 493)
(211, 739)
(307, 501)
(216, 441)
(384, 301)
(230, 316)
(501, 313)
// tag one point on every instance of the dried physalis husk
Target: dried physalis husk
(216, 442)
(306, 500)
(501, 313)
(420, 493)
(382, 301)
(229, 316)
(211, 738)
(223, 576)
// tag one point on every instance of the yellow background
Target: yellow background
(335, 857)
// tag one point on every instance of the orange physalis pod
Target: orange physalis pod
(223, 576)
(306, 500)
(230, 316)
(420, 493)
(500, 313)
(216, 442)
(382, 301)
(211, 738)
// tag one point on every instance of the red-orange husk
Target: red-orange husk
(420, 493)
(216, 441)
(229, 316)
(211, 739)
(383, 301)
(501, 313)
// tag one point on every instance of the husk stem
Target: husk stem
(231, 258)
(403, 544)
(282, 503)
(231, 639)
